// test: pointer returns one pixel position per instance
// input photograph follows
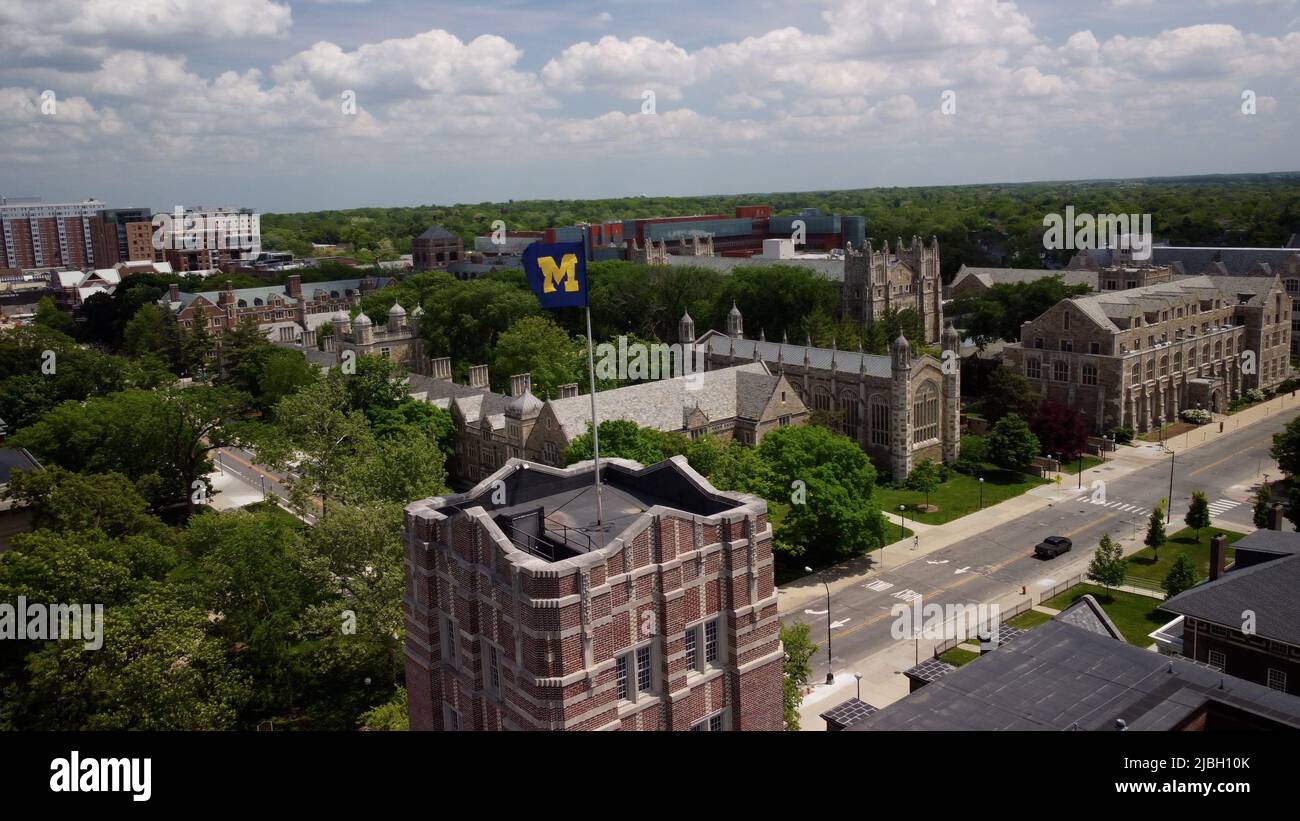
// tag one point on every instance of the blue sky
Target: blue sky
(165, 102)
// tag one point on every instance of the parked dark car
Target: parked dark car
(1052, 546)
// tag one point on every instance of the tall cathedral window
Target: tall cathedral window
(925, 414)
(879, 421)
(850, 405)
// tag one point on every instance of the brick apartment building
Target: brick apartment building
(122, 235)
(1137, 357)
(523, 614)
(36, 234)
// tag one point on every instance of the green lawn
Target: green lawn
(1134, 615)
(957, 656)
(269, 505)
(1028, 620)
(1144, 564)
(1072, 467)
(959, 495)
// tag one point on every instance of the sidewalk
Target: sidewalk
(1122, 462)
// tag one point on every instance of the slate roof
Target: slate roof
(1059, 676)
(436, 231)
(1115, 304)
(848, 713)
(716, 342)
(1277, 542)
(1088, 614)
(726, 393)
(1000, 276)
(268, 292)
(12, 459)
(1206, 259)
(1269, 589)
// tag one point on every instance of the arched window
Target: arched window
(1178, 362)
(1229, 347)
(925, 414)
(849, 403)
(242, 303)
(1151, 369)
(1164, 366)
(879, 421)
(1205, 354)
(821, 399)
(258, 301)
(1218, 350)
(1191, 357)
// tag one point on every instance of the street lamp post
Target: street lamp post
(858, 676)
(1169, 513)
(830, 677)
(981, 493)
(902, 517)
(1080, 470)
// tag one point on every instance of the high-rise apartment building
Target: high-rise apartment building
(38, 234)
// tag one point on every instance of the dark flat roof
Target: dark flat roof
(1058, 677)
(568, 503)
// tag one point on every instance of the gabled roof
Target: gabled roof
(1007, 276)
(1268, 589)
(1206, 259)
(12, 459)
(722, 394)
(436, 231)
(716, 342)
(1087, 613)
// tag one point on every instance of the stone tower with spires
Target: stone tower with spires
(877, 281)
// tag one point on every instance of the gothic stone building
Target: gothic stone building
(744, 402)
(876, 282)
(1136, 358)
(398, 340)
(900, 409)
(523, 612)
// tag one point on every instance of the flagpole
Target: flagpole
(595, 432)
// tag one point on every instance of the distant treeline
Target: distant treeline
(976, 224)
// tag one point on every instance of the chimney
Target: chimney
(441, 368)
(478, 376)
(569, 390)
(174, 292)
(1275, 516)
(1218, 555)
(295, 286)
(520, 383)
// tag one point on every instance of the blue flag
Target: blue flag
(557, 273)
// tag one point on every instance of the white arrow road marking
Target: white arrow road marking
(961, 570)
(816, 612)
(838, 624)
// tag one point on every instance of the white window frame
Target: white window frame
(1276, 679)
(1217, 660)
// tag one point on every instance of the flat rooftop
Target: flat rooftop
(554, 516)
